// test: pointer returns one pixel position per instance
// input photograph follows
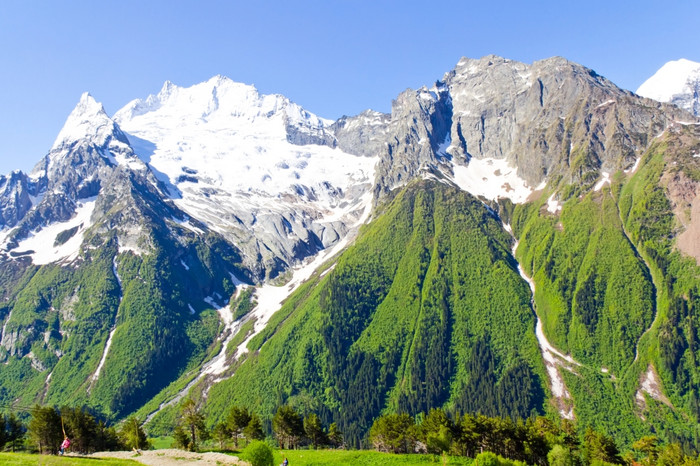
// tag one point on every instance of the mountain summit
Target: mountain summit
(258, 169)
(677, 82)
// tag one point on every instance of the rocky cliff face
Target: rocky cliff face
(552, 120)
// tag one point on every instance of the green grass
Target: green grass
(360, 457)
(160, 443)
(32, 460)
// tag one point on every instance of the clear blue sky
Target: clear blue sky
(333, 57)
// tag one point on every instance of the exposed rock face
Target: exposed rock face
(682, 185)
(364, 134)
(18, 193)
(551, 120)
(87, 151)
(420, 123)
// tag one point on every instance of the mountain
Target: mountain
(122, 247)
(677, 82)
(260, 170)
(515, 239)
(429, 307)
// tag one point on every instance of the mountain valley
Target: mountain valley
(513, 240)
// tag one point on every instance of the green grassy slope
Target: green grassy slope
(613, 290)
(63, 314)
(425, 309)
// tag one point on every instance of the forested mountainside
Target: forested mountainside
(515, 240)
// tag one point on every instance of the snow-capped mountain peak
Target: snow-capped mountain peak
(677, 82)
(88, 120)
(217, 97)
(256, 168)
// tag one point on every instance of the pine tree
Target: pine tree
(80, 427)
(314, 430)
(288, 426)
(395, 433)
(180, 438)
(253, 431)
(221, 433)
(193, 419)
(335, 436)
(237, 420)
(133, 435)
(15, 432)
(45, 429)
(3, 432)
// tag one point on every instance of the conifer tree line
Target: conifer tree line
(491, 440)
(536, 441)
(242, 426)
(47, 426)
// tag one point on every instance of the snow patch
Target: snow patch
(553, 358)
(553, 206)
(607, 102)
(3, 338)
(492, 179)
(237, 282)
(186, 224)
(270, 297)
(96, 375)
(605, 179)
(218, 364)
(634, 167)
(649, 384)
(41, 242)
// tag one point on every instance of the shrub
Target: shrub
(258, 453)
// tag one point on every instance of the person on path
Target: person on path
(65, 445)
(285, 462)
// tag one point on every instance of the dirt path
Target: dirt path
(172, 457)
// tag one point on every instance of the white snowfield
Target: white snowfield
(41, 247)
(88, 120)
(492, 179)
(223, 149)
(672, 79)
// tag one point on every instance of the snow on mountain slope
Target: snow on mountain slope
(43, 245)
(677, 82)
(88, 122)
(233, 160)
